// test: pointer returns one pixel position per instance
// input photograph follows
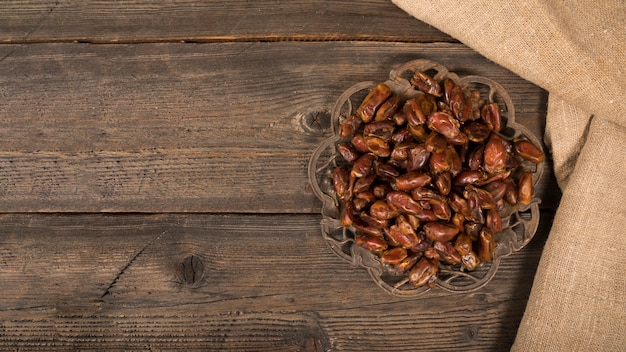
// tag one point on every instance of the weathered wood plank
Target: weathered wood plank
(261, 283)
(192, 127)
(134, 21)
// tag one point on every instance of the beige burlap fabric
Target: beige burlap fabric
(576, 50)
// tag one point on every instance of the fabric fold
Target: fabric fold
(576, 51)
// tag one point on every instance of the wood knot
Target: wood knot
(191, 270)
(315, 123)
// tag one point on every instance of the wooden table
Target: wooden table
(153, 180)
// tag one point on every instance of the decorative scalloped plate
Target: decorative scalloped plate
(519, 223)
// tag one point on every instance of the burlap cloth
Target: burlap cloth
(576, 51)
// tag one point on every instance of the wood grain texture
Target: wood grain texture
(265, 283)
(134, 21)
(217, 127)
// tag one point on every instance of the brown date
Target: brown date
(358, 142)
(458, 203)
(510, 195)
(408, 262)
(348, 152)
(439, 162)
(436, 142)
(456, 99)
(447, 252)
(458, 220)
(374, 99)
(528, 151)
(470, 261)
(365, 195)
(399, 117)
(349, 126)
(403, 238)
(363, 166)
(372, 221)
(401, 135)
(382, 210)
(463, 244)
(427, 102)
(493, 221)
(403, 201)
(363, 184)
(426, 215)
(381, 190)
(374, 244)
(362, 226)
(443, 182)
(385, 172)
(468, 177)
(440, 231)
(456, 164)
(415, 116)
(483, 197)
(378, 146)
(393, 256)
(388, 109)
(381, 129)
(497, 189)
(441, 210)
(424, 273)
(485, 245)
(475, 158)
(460, 139)
(491, 115)
(346, 216)
(418, 158)
(448, 87)
(341, 180)
(426, 84)
(420, 132)
(360, 204)
(472, 229)
(444, 123)
(495, 155)
(401, 150)
(525, 188)
(412, 180)
(476, 132)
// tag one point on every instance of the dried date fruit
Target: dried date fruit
(349, 126)
(485, 245)
(440, 231)
(525, 188)
(444, 123)
(374, 244)
(412, 180)
(426, 84)
(403, 201)
(341, 180)
(388, 109)
(447, 252)
(382, 210)
(408, 262)
(393, 256)
(424, 273)
(491, 116)
(528, 151)
(495, 155)
(348, 152)
(372, 101)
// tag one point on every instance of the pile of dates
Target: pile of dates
(426, 178)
